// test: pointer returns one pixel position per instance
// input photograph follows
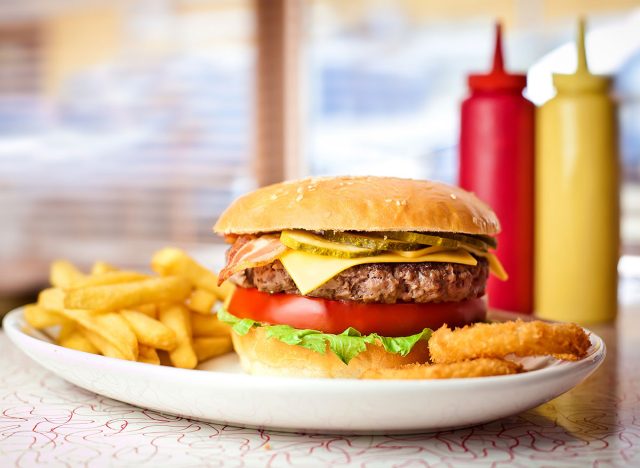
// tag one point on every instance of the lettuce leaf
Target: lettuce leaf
(345, 345)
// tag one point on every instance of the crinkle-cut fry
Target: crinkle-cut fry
(76, 340)
(63, 274)
(483, 367)
(128, 295)
(565, 341)
(102, 267)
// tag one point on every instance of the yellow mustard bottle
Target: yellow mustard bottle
(577, 199)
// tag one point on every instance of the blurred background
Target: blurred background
(127, 125)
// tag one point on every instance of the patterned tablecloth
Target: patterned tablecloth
(46, 420)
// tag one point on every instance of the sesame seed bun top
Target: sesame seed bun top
(358, 204)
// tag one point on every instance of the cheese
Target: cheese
(495, 266)
(419, 253)
(309, 271)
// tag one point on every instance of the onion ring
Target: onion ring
(566, 341)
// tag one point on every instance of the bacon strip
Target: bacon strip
(251, 252)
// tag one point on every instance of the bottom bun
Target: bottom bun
(260, 355)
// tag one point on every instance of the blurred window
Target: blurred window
(123, 126)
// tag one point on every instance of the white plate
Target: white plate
(219, 391)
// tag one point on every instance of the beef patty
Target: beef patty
(380, 282)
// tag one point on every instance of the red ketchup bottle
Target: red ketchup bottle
(497, 163)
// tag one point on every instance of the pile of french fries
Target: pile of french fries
(166, 318)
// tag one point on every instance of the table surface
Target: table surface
(46, 420)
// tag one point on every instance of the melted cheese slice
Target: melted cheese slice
(495, 266)
(309, 271)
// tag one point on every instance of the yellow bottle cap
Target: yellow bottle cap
(582, 80)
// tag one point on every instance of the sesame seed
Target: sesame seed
(299, 197)
(274, 197)
(453, 196)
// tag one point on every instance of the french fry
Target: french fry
(63, 274)
(208, 325)
(209, 347)
(51, 299)
(102, 267)
(111, 327)
(148, 354)
(128, 295)
(201, 301)
(172, 261)
(150, 310)
(104, 346)
(76, 340)
(226, 290)
(133, 316)
(39, 317)
(176, 317)
(109, 277)
(150, 332)
(66, 330)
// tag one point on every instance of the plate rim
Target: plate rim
(13, 322)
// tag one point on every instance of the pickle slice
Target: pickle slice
(466, 239)
(312, 243)
(445, 239)
(425, 239)
(491, 241)
(370, 242)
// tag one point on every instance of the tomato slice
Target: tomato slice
(336, 316)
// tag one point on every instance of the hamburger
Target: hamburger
(337, 275)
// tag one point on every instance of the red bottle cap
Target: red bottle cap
(498, 79)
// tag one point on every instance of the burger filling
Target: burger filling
(340, 290)
(387, 283)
